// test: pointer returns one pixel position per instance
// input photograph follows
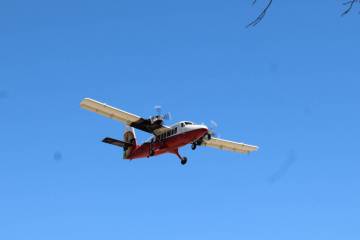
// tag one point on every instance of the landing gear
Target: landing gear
(151, 148)
(193, 146)
(197, 143)
(208, 136)
(183, 160)
(152, 153)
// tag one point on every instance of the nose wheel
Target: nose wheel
(196, 143)
(193, 146)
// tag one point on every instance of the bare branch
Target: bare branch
(350, 5)
(263, 13)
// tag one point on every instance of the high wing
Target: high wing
(129, 119)
(229, 145)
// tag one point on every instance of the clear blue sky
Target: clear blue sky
(290, 85)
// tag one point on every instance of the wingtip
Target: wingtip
(83, 101)
(86, 101)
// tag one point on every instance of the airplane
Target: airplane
(166, 139)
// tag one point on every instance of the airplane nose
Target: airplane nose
(204, 128)
(201, 129)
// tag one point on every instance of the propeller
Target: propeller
(159, 115)
(212, 127)
(158, 109)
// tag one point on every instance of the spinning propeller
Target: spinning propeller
(159, 116)
(212, 127)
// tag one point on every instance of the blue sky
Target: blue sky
(290, 85)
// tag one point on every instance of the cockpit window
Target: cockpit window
(188, 123)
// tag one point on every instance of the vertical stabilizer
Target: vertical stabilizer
(129, 137)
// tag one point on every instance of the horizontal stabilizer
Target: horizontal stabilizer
(116, 142)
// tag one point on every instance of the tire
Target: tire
(183, 161)
(193, 146)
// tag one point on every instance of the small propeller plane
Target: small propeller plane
(166, 139)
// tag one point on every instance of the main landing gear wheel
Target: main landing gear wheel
(193, 146)
(184, 160)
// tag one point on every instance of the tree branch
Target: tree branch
(262, 14)
(350, 5)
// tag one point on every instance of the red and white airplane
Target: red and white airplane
(166, 139)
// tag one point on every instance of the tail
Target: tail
(129, 137)
(128, 143)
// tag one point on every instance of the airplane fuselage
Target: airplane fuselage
(170, 141)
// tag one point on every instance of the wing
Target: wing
(108, 111)
(229, 145)
(127, 118)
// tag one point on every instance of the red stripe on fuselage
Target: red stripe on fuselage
(170, 144)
